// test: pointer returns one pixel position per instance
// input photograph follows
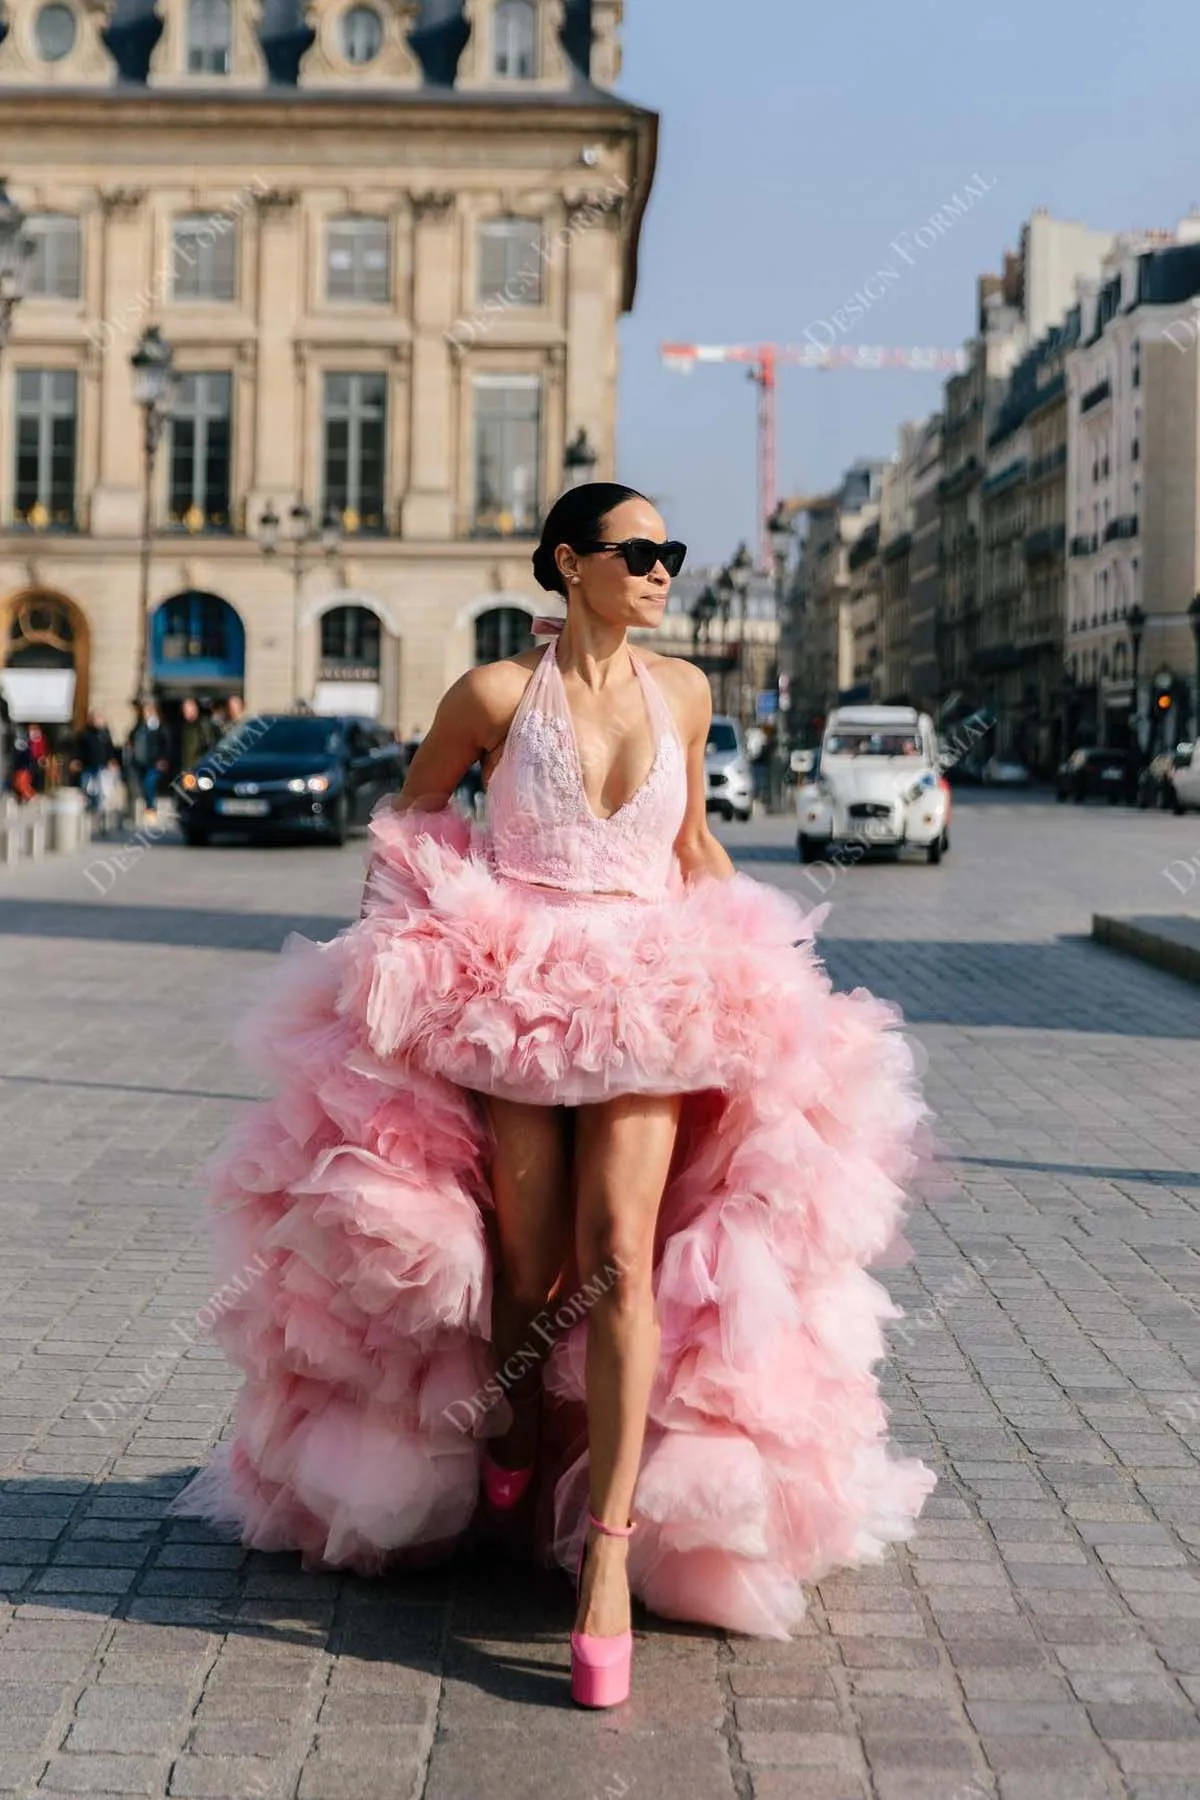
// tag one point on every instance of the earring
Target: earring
(574, 581)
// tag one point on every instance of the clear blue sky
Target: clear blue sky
(798, 140)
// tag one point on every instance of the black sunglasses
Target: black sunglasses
(641, 554)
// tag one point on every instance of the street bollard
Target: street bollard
(68, 810)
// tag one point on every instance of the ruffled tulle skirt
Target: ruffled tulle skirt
(351, 1217)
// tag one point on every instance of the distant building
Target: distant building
(821, 626)
(1133, 462)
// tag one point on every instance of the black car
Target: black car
(1096, 773)
(290, 772)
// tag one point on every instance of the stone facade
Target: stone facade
(390, 300)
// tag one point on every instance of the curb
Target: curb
(1153, 941)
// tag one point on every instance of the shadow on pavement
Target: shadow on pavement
(200, 928)
(492, 1624)
(1171, 1178)
(1067, 985)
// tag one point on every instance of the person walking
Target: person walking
(146, 757)
(94, 750)
(564, 1209)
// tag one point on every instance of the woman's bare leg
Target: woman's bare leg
(622, 1158)
(531, 1188)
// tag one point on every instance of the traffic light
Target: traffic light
(1163, 702)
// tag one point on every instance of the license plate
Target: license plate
(1111, 775)
(879, 828)
(244, 809)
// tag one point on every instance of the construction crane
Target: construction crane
(763, 361)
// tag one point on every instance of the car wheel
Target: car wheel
(1060, 796)
(1143, 800)
(807, 847)
(1177, 806)
(195, 836)
(1078, 796)
(1113, 798)
(339, 822)
(933, 853)
(945, 840)
(744, 818)
(1166, 799)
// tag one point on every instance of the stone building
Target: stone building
(389, 244)
(819, 628)
(924, 566)
(1133, 470)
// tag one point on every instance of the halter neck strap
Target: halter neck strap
(545, 630)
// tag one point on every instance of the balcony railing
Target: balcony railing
(1042, 466)
(1124, 527)
(1082, 546)
(1095, 396)
(1048, 540)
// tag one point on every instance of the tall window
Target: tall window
(350, 644)
(515, 43)
(208, 37)
(508, 419)
(53, 268)
(204, 257)
(509, 264)
(501, 631)
(45, 460)
(356, 260)
(200, 453)
(354, 424)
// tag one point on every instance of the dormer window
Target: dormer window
(361, 33)
(54, 32)
(209, 37)
(515, 26)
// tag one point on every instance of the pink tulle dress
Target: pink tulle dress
(559, 958)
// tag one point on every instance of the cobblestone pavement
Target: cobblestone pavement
(1040, 1640)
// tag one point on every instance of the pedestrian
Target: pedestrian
(146, 757)
(94, 751)
(581, 1069)
(195, 733)
(6, 744)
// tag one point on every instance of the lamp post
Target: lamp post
(703, 609)
(302, 535)
(739, 573)
(579, 460)
(1135, 624)
(1066, 694)
(154, 391)
(1193, 613)
(15, 252)
(723, 596)
(780, 532)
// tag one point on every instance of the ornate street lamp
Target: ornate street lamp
(740, 570)
(779, 530)
(1135, 624)
(153, 365)
(302, 536)
(1193, 613)
(15, 252)
(579, 460)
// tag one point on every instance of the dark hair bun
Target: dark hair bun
(546, 571)
(577, 517)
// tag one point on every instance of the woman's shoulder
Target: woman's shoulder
(492, 691)
(685, 685)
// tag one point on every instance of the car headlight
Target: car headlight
(318, 784)
(920, 787)
(205, 783)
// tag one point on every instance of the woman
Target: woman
(576, 1153)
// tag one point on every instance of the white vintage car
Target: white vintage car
(878, 786)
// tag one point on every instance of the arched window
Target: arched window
(350, 644)
(209, 38)
(502, 631)
(515, 40)
(197, 637)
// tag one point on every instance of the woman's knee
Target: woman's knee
(616, 1257)
(528, 1275)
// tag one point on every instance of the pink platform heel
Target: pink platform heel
(504, 1489)
(601, 1667)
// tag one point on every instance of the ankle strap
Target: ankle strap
(618, 1531)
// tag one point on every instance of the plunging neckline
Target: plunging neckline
(655, 730)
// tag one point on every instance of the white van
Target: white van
(878, 785)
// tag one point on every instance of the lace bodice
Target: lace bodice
(542, 828)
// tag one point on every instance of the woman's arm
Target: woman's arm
(699, 852)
